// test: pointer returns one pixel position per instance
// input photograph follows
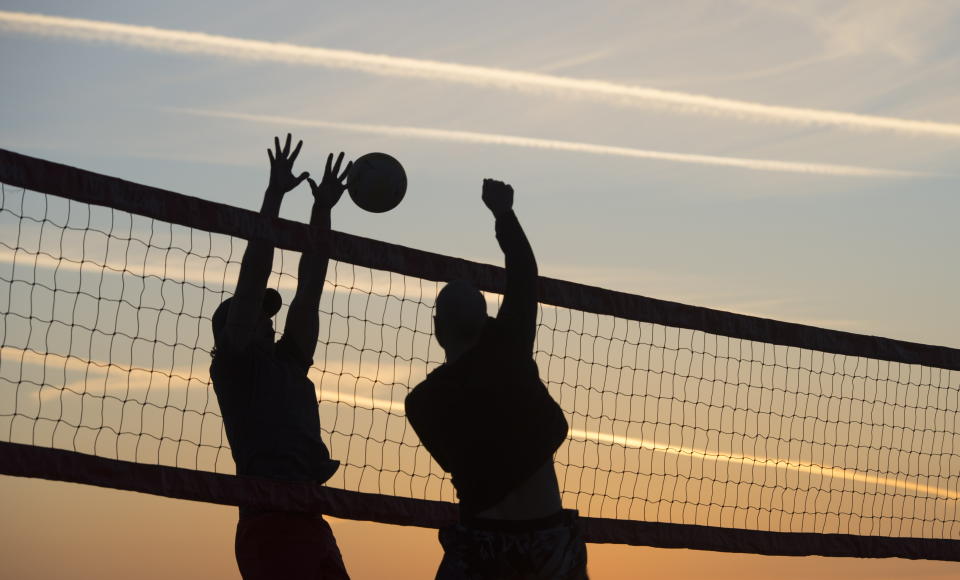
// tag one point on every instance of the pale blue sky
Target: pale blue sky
(866, 254)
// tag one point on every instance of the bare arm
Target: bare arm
(303, 319)
(519, 308)
(246, 307)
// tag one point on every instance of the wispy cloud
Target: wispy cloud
(173, 267)
(700, 454)
(167, 40)
(902, 30)
(396, 407)
(774, 463)
(364, 402)
(571, 146)
(575, 61)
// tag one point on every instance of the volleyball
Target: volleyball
(377, 182)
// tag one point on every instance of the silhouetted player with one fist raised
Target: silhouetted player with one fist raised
(488, 420)
(269, 405)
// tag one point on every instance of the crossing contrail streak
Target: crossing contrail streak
(774, 463)
(701, 454)
(572, 146)
(180, 41)
(19, 356)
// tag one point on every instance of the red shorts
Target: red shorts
(273, 545)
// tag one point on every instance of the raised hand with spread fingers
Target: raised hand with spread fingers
(282, 179)
(327, 193)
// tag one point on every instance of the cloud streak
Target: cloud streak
(570, 146)
(396, 407)
(701, 454)
(178, 41)
(775, 463)
(173, 268)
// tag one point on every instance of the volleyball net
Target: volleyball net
(690, 427)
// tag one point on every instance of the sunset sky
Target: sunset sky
(786, 160)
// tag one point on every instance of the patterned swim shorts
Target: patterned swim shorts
(550, 548)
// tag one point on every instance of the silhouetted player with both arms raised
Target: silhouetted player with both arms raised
(269, 405)
(488, 420)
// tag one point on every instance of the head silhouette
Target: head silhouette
(460, 316)
(263, 331)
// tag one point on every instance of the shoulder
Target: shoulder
(425, 395)
(225, 351)
(288, 350)
(493, 329)
(500, 339)
(230, 365)
(492, 335)
(419, 394)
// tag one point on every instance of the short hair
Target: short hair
(461, 310)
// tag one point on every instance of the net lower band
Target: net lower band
(690, 427)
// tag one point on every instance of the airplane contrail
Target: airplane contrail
(775, 463)
(397, 408)
(705, 455)
(180, 41)
(572, 146)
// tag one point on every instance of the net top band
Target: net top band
(97, 189)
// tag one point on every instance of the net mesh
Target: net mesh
(105, 347)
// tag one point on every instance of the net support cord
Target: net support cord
(69, 182)
(175, 482)
(92, 188)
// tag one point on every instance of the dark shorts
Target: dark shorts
(551, 549)
(274, 545)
